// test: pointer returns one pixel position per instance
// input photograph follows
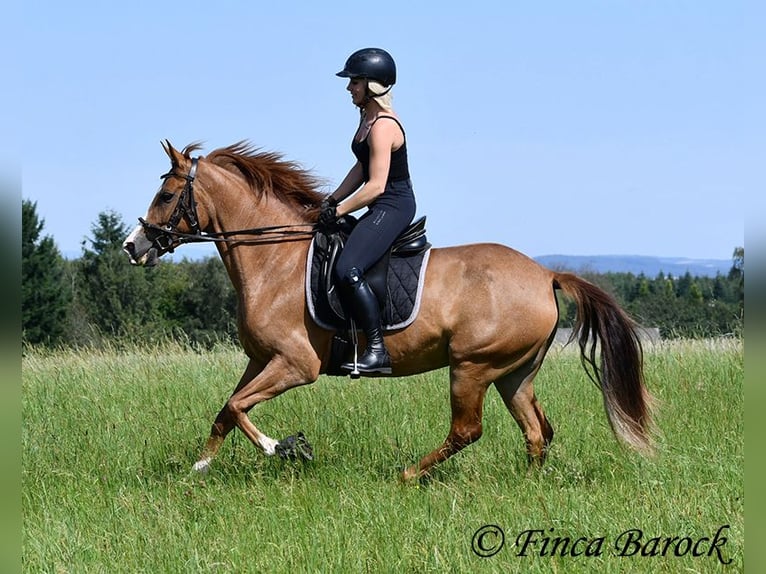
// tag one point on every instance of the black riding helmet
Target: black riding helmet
(371, 63)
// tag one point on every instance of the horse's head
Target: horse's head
(244, 197)
(172, 216)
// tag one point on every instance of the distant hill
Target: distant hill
(637, 264)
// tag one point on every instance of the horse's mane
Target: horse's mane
(269, 173)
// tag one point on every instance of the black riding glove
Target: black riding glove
(328, 216)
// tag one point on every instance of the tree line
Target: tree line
(101, 299)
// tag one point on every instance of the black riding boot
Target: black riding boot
(366, 313)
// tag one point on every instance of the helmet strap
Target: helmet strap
(369, 95)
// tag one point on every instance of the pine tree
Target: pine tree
(116, 297)
(737, 275)
(44, 295)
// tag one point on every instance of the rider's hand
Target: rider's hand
(328, 216)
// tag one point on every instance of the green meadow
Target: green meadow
(109, 439)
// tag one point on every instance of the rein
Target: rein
(169, 237)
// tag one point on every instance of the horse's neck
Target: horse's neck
(256, 264)
(261, 264)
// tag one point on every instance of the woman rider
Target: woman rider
(379, 181)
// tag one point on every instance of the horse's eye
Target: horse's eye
(166, 197)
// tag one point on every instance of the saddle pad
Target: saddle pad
(404, 286)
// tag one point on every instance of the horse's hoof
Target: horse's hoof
(202, 466)
(410, 475)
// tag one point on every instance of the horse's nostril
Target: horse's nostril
(129, 248)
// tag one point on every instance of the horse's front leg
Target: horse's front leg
(255, 386)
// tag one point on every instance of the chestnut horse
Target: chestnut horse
(488, 312)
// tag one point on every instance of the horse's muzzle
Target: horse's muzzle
(148, 259)
(140, 250)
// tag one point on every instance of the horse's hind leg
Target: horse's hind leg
(517, 391)
(467, 391)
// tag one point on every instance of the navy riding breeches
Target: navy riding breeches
(387, 217)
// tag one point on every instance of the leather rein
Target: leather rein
(168, 237)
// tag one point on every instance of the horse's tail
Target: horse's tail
(619, 375)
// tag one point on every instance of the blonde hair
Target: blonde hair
(381, 94)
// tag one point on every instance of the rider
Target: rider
(381, 179)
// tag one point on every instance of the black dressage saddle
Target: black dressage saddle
(397, 279)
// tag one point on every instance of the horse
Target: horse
(488, 312)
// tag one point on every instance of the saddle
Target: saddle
(397, 278)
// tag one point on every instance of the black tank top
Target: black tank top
(398, 170)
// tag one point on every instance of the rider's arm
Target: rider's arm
(354, 178)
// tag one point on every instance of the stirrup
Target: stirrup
(358, 367)
(354, 370)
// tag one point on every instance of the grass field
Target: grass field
(108, 440)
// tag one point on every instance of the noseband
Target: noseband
(168, 237)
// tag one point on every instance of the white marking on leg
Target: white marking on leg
(202, 466)
(269, 445)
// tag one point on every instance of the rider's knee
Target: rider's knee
(348, 275)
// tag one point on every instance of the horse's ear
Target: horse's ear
(174, 155)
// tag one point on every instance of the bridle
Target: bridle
(167, 237)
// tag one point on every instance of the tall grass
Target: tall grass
(109, 438)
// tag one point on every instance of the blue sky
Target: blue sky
(583, 128)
